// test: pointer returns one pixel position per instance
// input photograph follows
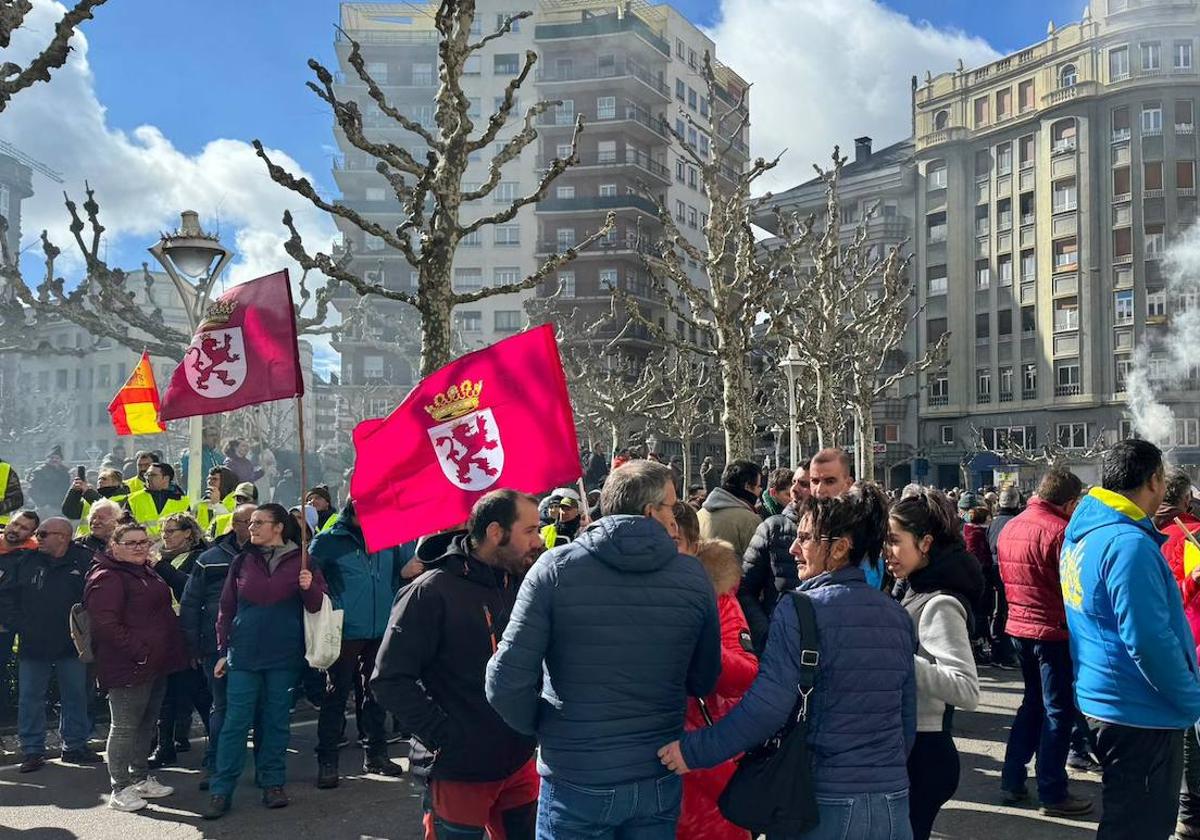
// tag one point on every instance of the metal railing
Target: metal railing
(592, 72)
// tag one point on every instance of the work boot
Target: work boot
(32, 762)
(1072, 806)
(83, 755)
(381, 765)
(217, 807)
(275, 797)
(327, 775)
(1014, 797)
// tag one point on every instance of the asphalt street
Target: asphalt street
(61, 802)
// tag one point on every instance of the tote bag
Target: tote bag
(323, 635)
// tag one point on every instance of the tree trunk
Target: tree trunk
(737, 414)
(615, 440)
(866, 442)
(436, 315)
(686, 440)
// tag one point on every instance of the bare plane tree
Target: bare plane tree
(105, 302)
(688, 396)
(13, 77)
(737, 289)
(1052, 453)
(429, 187)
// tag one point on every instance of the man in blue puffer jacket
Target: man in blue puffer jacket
(362, 585)
(626, 628)
(1135, 659)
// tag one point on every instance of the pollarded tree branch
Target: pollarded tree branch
(13, 77)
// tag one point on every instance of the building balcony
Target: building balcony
(629, 77)
(1068, 390)
(607, 248)
(942, 135)
(1029, 393)
(1120, 135)
(631, 158)
(391, 38)
(1080, 90)
(650, 128)
(938, 400)
(592, 203)
(983, 399)
(603, 25)
(1006, 396)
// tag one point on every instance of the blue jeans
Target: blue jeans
(865, 816)
(268, 692)
(216, 713)
(645, 810)
(33, 677)
(1044, 720)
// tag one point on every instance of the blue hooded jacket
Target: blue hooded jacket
(1135, 660)
(627, 628)
(361, 584)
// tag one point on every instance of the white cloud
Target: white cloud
(827, 71)
(142, 181)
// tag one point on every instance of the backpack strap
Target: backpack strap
(810, 654)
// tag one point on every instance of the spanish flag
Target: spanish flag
(134, 410)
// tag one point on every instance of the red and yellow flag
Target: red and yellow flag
(134, 409)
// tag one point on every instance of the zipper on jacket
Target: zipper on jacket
(487, 616)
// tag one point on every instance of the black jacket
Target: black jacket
(176, 570)
(72, 506)
(444, 627)
(1002, 518)
(768, 570)
(93, 544)
(201, 599)
(36, 601)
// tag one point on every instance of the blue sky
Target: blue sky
(238, 70)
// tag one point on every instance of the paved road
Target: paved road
(61, 803)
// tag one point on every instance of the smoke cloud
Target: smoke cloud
(1175, 356)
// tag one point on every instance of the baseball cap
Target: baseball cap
(567, 496)
(245, 490)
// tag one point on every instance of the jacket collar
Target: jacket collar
(846, 574)
(1118, 503)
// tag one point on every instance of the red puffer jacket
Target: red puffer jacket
(1028, 550)
(700, 818)
(1173, 550)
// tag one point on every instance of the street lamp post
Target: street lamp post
(194, 261)
(777, 431)
(791, 367)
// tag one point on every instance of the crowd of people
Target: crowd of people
(592, 663)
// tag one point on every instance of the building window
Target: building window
(936, 279)
(983, 275)
(1004, 104)
(1004, 266)
(691, 99)
(691, 58)
(1028, 266)
(1154, 240)
(508, 320)
(692, 218)
(983, 327)
(680, 168)
(1122, 244)
(1156, 303)
(983, 386)
(1185, 174)
(1121, 183)
(935, 328)
(565, 237)
(692, 177)
(1025, 95)
(1157, 368)
(941, 120)
(1065, 196)
(566, 283)
(1184, 117)
(564, 192)
(1067, 76)
(1187, 432)
(1152, 175)
(936, 225)
(1151, 56)
(606, 107)
(474, 107)
(506, 192)
(468, 279)
(1062, 135)
(422, 74)
(939, 390)
(935, 175)
(1004, 159)
(1124, 368)
(1006, 383)
(506, 64)
(607, 190)
(1066, 314)
(680, 211)
(1152, 119)
(947, 435)
(1066, 254)
(1123, 308)
(608, 279)
(1025, 147)
(564, 112)
(680, 89)
(508, 235)
(1066, 379)
(505, 277)
(373, 367)
(679, 48)
(1118, 64)
(981, 111)
(1029, 381)
(469, 320)
(1072, 435)
(1183, 55)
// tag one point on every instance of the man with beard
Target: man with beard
(430, 674)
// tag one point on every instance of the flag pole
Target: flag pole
(303, 483)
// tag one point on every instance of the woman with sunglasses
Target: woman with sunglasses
(137, 643)
(260, 640)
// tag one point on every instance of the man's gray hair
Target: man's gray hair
(101, 505)
(634, 486)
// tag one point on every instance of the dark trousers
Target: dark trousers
(1044, 720)
(1002, 645)
(933, 772)
(353, 667)
(1142, 772)
(1189, 797)
(187, 690)
(216, 714)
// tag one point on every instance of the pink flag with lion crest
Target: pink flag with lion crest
(496, 418)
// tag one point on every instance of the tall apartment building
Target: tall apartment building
(1049, 184)
(627, 67)
(879, 183)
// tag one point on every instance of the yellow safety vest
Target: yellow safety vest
(83, 530)
(5, 469)
(134, 484)
(329, 522)
(141, 505)
(220, 524)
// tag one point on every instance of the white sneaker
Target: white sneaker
(149, 788)
(126, 799)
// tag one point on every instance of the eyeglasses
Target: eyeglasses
(171, 530)
(135, 544)
(41, 535)
(254, 523)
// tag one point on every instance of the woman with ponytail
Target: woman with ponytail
(925, 549)
(862, 710)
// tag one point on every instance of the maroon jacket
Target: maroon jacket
(1028, 550)
(135, 631)
(975, 536)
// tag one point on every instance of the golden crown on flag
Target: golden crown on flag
(219, 312)
(457, 401)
